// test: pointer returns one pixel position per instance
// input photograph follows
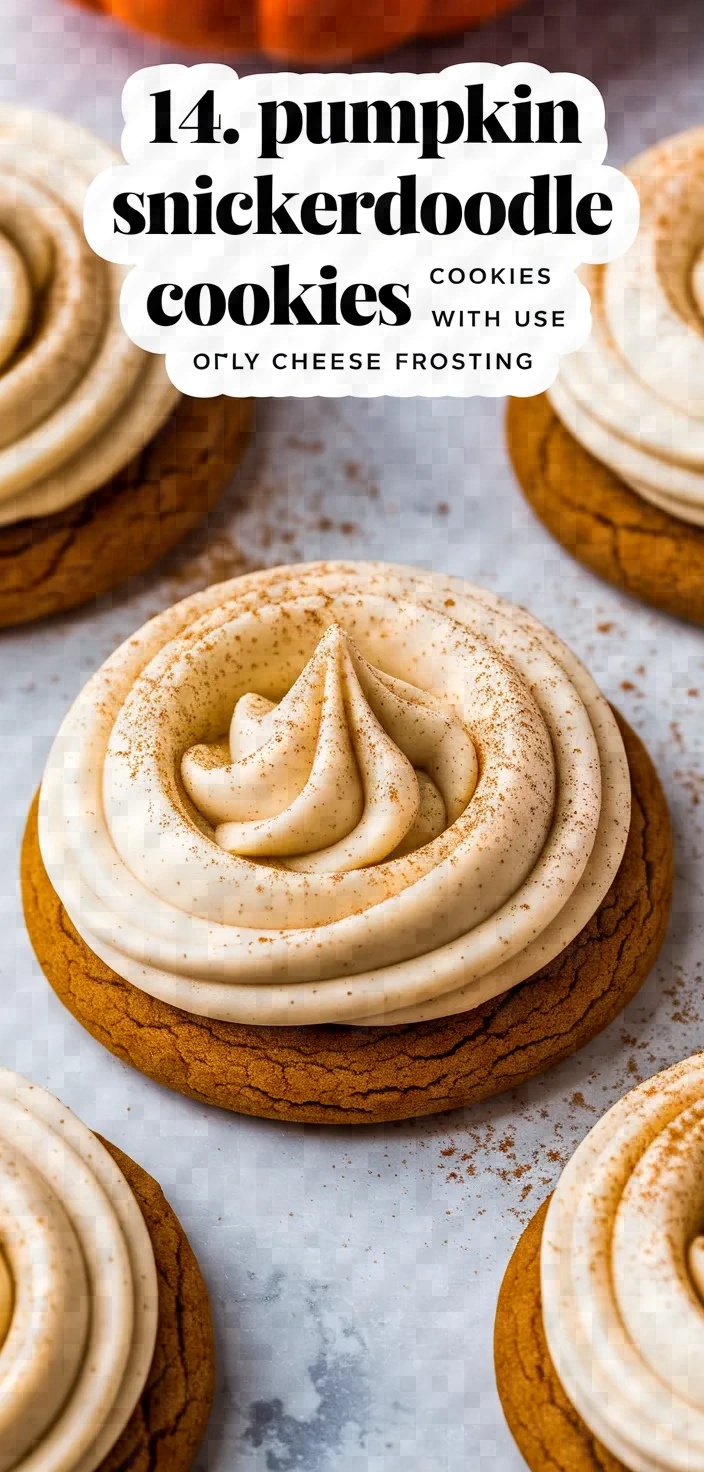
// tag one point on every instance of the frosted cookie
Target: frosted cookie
(612, 457)
(599, 1340)
(345, 841)
(106, 1352)
(103, 465)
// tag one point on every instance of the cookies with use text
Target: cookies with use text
(345, 842)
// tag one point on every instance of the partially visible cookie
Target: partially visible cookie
(105, 1329)
(605, 525)
(52, 563)
(333, 1074)
(545, 1425)
(104, 466)
(600, 1321)
(167, 1425)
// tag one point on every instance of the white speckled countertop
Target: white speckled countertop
(354, 1273)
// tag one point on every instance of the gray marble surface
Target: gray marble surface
(354, 1273)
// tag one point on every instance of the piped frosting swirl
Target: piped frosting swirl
(77, 399)
(78, 1289)
(634, 394)
(351, 768)
(622, 1272)
(336, 792)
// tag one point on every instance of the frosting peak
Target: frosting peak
(350, 768)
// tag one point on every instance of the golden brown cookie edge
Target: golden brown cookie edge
(347, 1075)
(53, 563)
(620, 536)
(167, 1425)
(547, 1429)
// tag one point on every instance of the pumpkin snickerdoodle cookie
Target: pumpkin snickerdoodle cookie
(612, 457)
(345, 842)
(103, 465)
(106, 1345)
(599, 1337)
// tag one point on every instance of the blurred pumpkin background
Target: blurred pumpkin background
(313, 32)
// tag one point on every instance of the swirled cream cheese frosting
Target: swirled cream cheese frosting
(78, 1289)
(634, 394)
(343, 792)
(77, 399)
(622, 1271)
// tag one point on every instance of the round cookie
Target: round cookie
(622, 537)
(332, 1074)
(168, 1422)
(52, 563)
(545, 1425)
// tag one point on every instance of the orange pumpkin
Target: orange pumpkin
(306, 31)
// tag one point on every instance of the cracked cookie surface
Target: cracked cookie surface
(609, 528)
(168, 1422)
(53, 563)
(333, 1074)
(543, 1422)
